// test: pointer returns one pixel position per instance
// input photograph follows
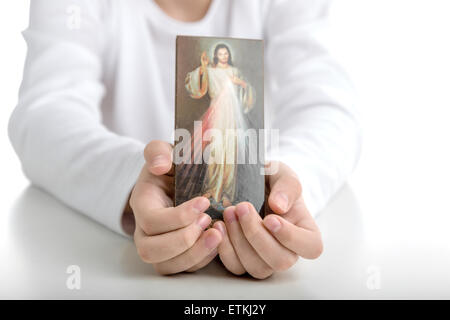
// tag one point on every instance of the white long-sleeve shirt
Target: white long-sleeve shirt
(99, 84)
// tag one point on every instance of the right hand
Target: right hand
(172, 239)
(204, 59)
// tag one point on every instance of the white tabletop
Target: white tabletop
(43, 238)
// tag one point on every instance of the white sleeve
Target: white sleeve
(56, 128)
(313, 102)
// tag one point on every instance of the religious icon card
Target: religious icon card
(219, 122)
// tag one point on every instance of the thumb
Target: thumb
(285, 189)
(158, 156)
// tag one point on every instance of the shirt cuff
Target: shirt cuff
(120, 192)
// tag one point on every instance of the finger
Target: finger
(205, 245)
(226, 251)
(306, 243)
(158, 155)
(204, 262)
(162, 247)
(285, 189)
(251, 261)
(160, 220)
(277, 256)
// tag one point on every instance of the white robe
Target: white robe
(226, 113)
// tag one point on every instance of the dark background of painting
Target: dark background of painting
(248, 56)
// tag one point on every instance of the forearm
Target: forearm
(81, 164)
(56, 128)
(322, 147)
(313, 102)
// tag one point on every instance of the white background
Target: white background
(398, 55)
(13, 20)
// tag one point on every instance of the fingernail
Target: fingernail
(272, 224)
(158, 161)
(282, 201)
(204, 221)
(242, 210)
(220, 227)
(229, 215)
(201, 204)
(211, 241)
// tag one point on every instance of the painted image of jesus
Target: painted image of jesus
(231, 98)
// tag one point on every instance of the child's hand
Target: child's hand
(171, 238)
(262, 246)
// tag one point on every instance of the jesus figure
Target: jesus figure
(231, 99)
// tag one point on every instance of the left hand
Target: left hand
(238, 81)
(262, 246)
